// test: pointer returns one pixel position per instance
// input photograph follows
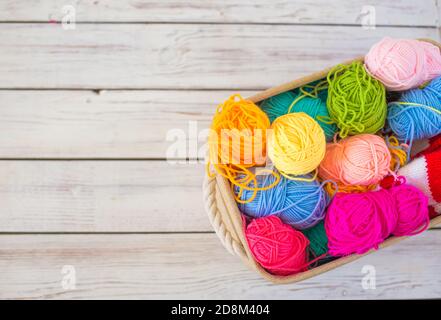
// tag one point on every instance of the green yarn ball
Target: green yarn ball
(317, 238)
(356, 101)
(279, 105)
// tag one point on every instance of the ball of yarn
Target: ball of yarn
(358, 222)
(276, 246)
(300, 204)
(237, 141)
(296, 144)
(278, 105)
(356, 101)
(288, 102)
(318, 240)
(358, 160)
(412, 208)
(417, 115)
(402, 64)
(232, 132)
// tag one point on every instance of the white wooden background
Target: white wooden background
(84, 115)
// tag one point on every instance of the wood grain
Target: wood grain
(171, 56)
(184, 58)
(101, 196)
(112, 124)
(390, 12)
(186, 266)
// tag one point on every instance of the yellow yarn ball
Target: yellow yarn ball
(296, 144)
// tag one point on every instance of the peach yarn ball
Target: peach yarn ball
(357, 160)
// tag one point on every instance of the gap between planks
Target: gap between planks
(165, 56)
(222, 23)
(397, 12)
(101, 196)
(197, 266)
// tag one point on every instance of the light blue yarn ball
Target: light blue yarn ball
(412, 122)
(300, 204)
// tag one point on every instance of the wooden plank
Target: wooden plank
(113, 124)
(101, 196)
(391, 12)
(170, 56)
(195, 266)
(83, 124)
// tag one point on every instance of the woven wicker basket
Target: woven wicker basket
(225, 216)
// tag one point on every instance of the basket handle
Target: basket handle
(210, 202)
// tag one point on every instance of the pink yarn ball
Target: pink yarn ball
(363, 160)
(358, 222)
(277, 246)
(412, 208)
(402, 64)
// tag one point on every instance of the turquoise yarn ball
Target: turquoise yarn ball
(279, 105)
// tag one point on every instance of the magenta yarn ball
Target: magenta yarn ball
(358, 222)
(412, 208)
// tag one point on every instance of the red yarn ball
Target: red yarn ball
(412, 208)
(278, 247)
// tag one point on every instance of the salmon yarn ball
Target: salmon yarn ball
(357, 160)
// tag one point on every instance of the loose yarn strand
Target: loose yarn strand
(414, 104)
(237, 114)
(298, 178)
(398, 153)
(322, 85)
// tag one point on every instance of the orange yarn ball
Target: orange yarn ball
(238, 133)
(237, 142)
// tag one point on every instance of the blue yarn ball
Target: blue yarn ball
(410, 122)
(300, 204)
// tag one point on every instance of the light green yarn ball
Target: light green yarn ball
(356, 101)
